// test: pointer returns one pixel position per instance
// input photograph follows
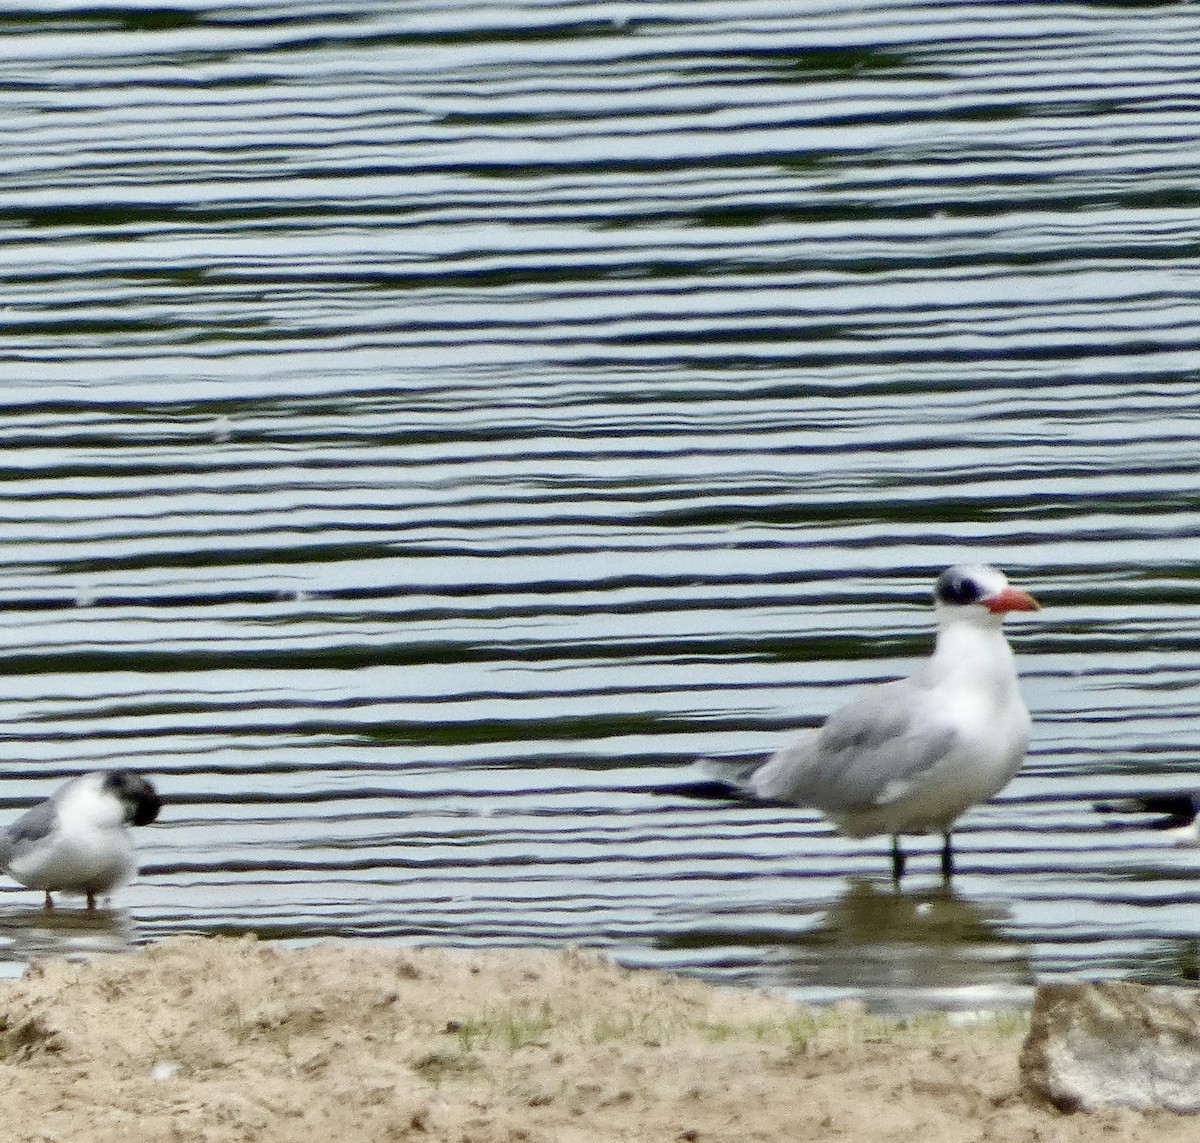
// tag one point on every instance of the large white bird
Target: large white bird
(910, 756)
(77, 840)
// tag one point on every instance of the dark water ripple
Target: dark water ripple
(428, 427)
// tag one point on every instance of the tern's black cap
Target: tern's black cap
(958, 585)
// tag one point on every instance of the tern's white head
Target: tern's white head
(980, 593)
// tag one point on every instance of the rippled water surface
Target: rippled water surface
(427, 427)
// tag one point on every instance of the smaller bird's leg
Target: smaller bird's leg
(947, 857)
(91, 902)
(897, 859)
(48, 904)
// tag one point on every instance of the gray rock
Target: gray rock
(1114, 1045)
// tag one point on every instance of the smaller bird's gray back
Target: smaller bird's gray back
(32, 826)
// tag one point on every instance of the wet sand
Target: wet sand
(226, 1039)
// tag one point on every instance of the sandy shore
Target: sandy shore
(236, 1040)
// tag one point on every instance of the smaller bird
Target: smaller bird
(77, 840)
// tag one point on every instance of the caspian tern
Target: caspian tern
(911, 756)
(77, 840)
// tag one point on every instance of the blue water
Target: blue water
(428, 427)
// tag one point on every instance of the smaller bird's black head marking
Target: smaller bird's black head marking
(137, 793)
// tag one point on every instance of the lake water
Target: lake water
(427, 427)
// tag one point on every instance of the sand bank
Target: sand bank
(236, 1040)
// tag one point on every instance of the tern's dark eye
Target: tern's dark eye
(954, 586)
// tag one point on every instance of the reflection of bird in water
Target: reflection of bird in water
(906, 952)
(77, 840)
(1175, 814)
(911, 756)
(867, 914)
(31, 934)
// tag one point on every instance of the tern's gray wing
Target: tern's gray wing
(866, 755)
(31, 827)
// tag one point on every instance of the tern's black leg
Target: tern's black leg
(897, 859)
(947, 857)
(91, 902)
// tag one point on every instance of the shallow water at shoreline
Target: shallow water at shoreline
(428, 428)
